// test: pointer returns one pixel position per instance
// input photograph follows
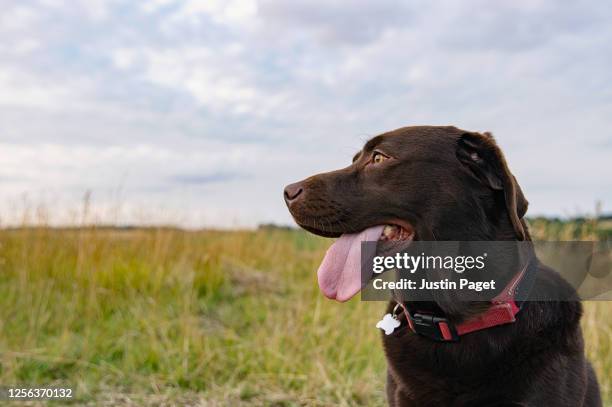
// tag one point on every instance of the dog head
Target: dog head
(438, 183)
(422, 182)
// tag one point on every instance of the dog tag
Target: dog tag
(388, 324)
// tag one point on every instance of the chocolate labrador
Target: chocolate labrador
(430, 183)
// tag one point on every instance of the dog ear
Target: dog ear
(483, 157)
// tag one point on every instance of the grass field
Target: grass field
(163, 316)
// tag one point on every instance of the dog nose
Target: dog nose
(293, 191)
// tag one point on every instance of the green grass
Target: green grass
(217, 318)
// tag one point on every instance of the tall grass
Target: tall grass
(154, 316)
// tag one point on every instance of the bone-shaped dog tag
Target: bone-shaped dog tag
(388, 324)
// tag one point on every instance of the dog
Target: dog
(434, 183)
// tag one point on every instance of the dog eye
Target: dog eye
(378, 157)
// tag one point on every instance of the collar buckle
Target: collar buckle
(432, 327)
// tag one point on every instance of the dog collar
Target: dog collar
(503, 310)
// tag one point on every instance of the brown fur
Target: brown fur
(456, 185)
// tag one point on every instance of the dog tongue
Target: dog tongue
(340, 271)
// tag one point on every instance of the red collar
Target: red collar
(503, 310)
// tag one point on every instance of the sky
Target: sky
(197, 113)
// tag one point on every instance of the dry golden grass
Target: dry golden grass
(163, 316)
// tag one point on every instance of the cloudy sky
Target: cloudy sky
(198, 112)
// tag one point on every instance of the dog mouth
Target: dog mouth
(395, 230)
(340, 274)
(397, 233)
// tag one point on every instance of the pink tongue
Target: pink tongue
(340, 271)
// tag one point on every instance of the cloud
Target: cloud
(214, 79)
(20, 89)
(164, 96)
(219, 11)
(336, 22)
(18, 18)
(200, 179)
